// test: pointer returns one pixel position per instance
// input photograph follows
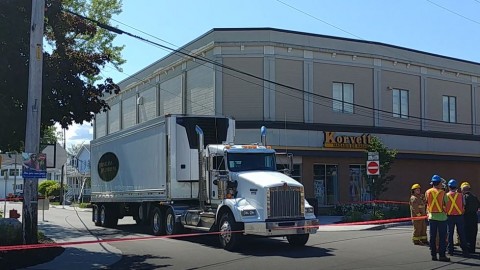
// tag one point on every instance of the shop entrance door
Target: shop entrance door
(325, 184)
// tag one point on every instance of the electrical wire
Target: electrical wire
(188, 54)
(451, 11)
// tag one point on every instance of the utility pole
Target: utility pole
(34, 105)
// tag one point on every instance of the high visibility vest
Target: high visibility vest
(435, 200)
(454, 204)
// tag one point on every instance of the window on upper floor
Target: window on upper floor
(450, 109)
(400, 103)
(343, 97)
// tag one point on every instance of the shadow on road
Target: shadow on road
(139, 262)
(262, 247)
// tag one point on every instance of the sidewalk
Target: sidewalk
(72, 229)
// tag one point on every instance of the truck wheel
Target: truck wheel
(171, 227)
(107, 217)
(96, 216)
(229, 239)
(298, 240)
(158, 222)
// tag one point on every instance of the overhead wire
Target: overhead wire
(451, 11)
(389, 114)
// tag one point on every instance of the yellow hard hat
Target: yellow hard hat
(464, 184)
(415, 186)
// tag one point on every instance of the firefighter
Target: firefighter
(437, 218)
(417, 209)
(471, 218)
(455, 209)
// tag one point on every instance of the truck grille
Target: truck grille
(285, 202)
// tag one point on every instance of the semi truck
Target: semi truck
(183, 172)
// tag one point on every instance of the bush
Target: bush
(362, 212)
(49, 187)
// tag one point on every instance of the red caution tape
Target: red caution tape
(75, 243)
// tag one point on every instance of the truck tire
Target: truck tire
(298, 240)
(171, 227)
(107, 217)
(229, 239)
(157, 222)
(96, 216)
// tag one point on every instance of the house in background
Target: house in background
(78, 175)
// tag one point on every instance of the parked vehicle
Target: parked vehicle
(179, 172)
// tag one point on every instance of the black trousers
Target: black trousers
(471, 230)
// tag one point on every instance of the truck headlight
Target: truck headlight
(249, 213)
(309, 210)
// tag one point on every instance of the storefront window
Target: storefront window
(325, 184)
(358, 185)
(296, 172)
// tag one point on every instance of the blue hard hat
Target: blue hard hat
(436, 179)
(452, 183)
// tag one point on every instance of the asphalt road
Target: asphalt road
(372, 249)
(383, 249)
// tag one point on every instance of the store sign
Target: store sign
(346, 141)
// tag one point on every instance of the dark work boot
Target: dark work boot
(444, 259)
(434, 258)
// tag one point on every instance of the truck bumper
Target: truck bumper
(281, 228)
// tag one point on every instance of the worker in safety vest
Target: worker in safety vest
(437, 217)
(417, 209)
(470, 216)
(455, 210)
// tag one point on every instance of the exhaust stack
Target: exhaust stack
(202, 187)
(263, 131)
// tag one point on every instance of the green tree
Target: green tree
(72, 60)
(386, 159)
(49, 188)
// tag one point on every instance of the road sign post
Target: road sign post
(373, 167)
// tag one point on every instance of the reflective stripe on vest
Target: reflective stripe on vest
(454, 204)
(435, 199)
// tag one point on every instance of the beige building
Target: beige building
(321, 98)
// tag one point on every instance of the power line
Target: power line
(318, 19)
(180, 52)
(451, 11)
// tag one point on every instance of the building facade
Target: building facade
(322, 98)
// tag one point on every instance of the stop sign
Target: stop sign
(373, 167)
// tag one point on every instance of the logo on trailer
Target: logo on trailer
(108, 166)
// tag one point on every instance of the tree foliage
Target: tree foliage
(49, 188)
(386, 159)
(72, 60)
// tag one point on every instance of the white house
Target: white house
(78, 175)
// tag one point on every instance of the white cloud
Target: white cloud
(77, 134)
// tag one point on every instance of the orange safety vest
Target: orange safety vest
(454, 204)
(435, 200)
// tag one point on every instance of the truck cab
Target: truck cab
(251, 196)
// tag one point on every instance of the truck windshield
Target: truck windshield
(238, 162)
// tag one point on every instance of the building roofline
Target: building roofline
(213, 30)
(337, 38)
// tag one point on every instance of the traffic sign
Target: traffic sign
(373, 167)
(373, 156)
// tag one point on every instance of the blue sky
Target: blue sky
(444, 27)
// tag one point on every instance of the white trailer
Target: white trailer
(179, 172)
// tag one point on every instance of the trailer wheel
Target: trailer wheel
(171, 227)
(96, 216)
(107, 217)
(298, 240)
(158, 222)
(229, 238)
